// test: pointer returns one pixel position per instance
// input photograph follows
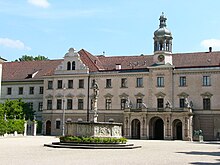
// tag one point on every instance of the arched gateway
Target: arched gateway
(48, 127)
(177, 130)
(135, 129)
(156, 128)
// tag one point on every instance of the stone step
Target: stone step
(91, 146)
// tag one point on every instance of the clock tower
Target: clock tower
(162, 43)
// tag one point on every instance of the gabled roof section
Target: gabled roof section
(91, 61)
(19, 71)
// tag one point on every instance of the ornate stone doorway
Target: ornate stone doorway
(177, 130)
(135, 129)
(48, 127)
(156, 129)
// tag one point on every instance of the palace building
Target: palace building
(165, 95)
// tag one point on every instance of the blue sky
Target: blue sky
(118, 27)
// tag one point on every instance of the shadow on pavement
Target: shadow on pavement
(207, 163)
(203, 153)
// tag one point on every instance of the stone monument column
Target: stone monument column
(95, 88)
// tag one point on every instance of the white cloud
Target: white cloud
(214, 43)
(17, 44)
(40, 3)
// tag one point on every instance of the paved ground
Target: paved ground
(30, 151)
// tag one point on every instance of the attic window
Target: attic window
(73, 65)
(118, 66)
(68, 65)
(32, 75)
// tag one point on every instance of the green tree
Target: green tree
(26, 58)
(2, 112)
(40, 58)
(32, 58)
(28, 111)
(13, 109)
(16, 109)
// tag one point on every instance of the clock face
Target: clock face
(161, 58)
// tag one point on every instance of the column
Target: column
(25, 128)
(167, 129)
(35, 128)
(147, 129)
(143, 128)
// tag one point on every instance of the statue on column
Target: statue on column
(187, 103)
(95, 88)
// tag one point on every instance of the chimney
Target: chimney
(118, 66)
(210, 49)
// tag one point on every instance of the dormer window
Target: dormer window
(73, 65)
(32, 75)
(68, 65)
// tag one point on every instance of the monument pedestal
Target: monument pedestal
(94, 129)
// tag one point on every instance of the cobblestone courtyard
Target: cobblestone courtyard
(30, 150)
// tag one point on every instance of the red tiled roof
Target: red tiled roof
(91, 61)
(199, 59)
(126, 62)
(180, 60)
(19, 71)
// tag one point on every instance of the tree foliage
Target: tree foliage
(16, 109)
(12, 113)
(32, 58)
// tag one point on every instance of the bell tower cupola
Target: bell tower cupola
(163, 43)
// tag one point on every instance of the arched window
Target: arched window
(68, 65)
(73, 65)
(161, 46)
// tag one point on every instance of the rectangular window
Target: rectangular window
(123, 103)
(108, 83)
(70, 83)
(50, 85)
(81, 83)
(41, 91)
(30, 105)
(160, 103)
(160, 81)
(139, 103)
(123, 82)
(59, 84)
(80, 104)
(59, 103)
(206, 104)
(49, 104)
(69, 104)
(40, 106)
(183, 81)
(108, 104)
(58, 124)
(20, 90)
(139, 82)
(9, 91)
(206, 81)
(182, 102)
(31, 90)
